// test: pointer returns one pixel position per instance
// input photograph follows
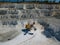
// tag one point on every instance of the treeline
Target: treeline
(40, 1)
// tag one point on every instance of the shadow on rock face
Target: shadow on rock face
(57, 35)
(49, 32)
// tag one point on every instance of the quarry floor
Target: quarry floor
(36, 39)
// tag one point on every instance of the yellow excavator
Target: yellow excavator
(29, 26)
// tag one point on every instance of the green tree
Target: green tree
(54, 1)
(46, 1)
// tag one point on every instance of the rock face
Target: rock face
(51, 26)
(30, 10)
